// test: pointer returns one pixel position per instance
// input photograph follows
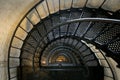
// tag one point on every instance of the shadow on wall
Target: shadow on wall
(64, 73)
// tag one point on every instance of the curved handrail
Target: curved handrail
(15, 32)
(91, 19)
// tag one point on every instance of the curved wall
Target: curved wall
(12, 11)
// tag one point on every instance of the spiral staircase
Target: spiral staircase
(65, 38)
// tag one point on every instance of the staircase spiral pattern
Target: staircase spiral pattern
(60, 33)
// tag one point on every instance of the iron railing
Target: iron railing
(57, 29)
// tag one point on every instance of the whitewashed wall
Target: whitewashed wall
(11, 12)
